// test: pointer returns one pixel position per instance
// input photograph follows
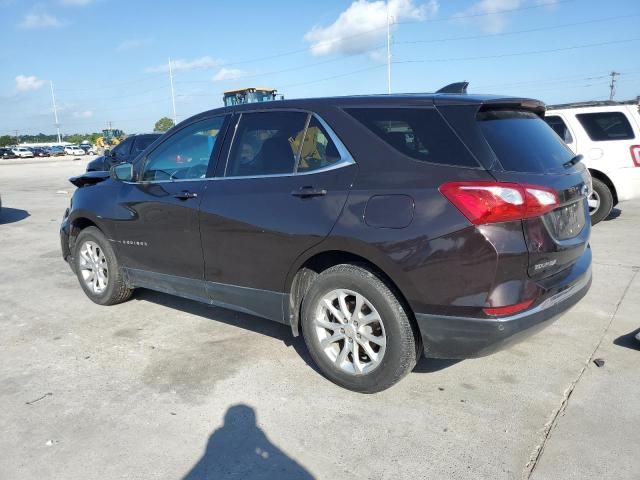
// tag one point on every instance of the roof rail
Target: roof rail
(457, 87)
(593, 103)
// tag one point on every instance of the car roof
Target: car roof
(403, 99)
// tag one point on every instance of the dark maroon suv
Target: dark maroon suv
(382, 228)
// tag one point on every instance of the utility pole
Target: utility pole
(17, 138)
(173, 96)
(612, 85)
(55, 111)
(388, 50)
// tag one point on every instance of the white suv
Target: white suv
(73, 150)
(22, 152)
(607, 134)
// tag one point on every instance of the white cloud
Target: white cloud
(184, 64)
(485, 13)
(25, 83)
(36, 20)
(76, 3)
(227, 74)
(361, 26)
(83, 114)
(132, 44)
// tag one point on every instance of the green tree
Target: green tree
(6, 140)
(164, 124)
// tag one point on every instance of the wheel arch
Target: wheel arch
(308, 268)
(607, 181)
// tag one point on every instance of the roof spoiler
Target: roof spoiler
(457, 87)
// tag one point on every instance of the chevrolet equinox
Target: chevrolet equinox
(381, 228)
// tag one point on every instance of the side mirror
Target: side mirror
(122, 172)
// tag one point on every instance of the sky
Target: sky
(108, 59)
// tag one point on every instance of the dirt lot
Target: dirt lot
(164, 388)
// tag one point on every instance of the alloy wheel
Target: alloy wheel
(594, 202)
(93, 267)
(350, 331)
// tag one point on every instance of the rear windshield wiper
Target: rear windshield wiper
(573, 161)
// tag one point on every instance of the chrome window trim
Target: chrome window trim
(346, 158)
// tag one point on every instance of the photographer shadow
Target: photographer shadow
(240, 449)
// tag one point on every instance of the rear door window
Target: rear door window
(318, 151)
(523, 142)
(558, 126)
(265, 144)
(419, 133)
(603, 126)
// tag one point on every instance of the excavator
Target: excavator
(249, 95)
(110, 138)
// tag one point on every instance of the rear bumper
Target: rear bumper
(466, 337)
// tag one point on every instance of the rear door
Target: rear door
(529, 152)
(611, 134)
(280, 191)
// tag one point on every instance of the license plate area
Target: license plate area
(567, 221)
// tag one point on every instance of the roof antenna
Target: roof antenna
(457, 87)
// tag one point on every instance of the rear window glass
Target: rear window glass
(143, 141)
(559, 127)
(419, 133)
(523, 142)
(605, 126)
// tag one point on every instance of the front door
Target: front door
(280, 192)
(160, 243)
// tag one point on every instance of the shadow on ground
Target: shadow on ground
(628, 340)
(259, 325)
(262, 326)
(615, 213)
(12, 215)
(240, 449)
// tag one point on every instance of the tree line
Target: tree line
(6, 140)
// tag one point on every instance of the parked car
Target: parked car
(40, 152)
(73, 150)
(6, 153)
(607, 134)
(88, 148)
(22, 152)
(56, 151)
(382, 227)
(126, 151)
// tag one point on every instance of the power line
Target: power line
(517, 32)
(516, 54)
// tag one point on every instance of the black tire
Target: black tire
(116, 290)
(606, 201)
(402, 344)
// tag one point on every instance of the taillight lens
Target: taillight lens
(635, 154)
(508, 310)
(493, 202)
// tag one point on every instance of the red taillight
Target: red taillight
(493, 202)
(508, 310)
(635, 154)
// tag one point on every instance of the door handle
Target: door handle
(185, 195)
(307, 192)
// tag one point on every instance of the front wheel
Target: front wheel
(600, 201)
(357, 330)
(98, 270)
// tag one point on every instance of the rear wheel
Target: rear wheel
(357, 331)
(600, 201)
(98, 270)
